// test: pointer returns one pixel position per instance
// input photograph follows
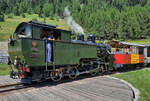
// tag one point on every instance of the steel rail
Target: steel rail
(9, 85)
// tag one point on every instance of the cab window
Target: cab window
(46, 32)
(24, 32)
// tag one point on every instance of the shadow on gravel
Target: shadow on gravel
(64, 80)
(83, 76)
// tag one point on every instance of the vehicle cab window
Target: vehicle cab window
(23, 32)
(45, 32)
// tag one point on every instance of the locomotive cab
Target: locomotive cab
(27, 47)
(29, 42)
(14, 45)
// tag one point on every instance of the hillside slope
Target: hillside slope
(124, 19)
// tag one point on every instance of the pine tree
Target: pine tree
(2, 17)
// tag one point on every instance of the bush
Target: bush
(44, 20)
(10, 15)
(30, 11)
(23, 15)
(2, 17)
(34, 19)
(51, 18)
(57, 18)
(41, 16)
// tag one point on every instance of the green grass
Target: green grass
(4, 69)
(8, 27)
(140, 79)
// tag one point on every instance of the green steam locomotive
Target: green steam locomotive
(28, 53)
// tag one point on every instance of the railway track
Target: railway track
(8, 85)
(10, 88)
(6, 89)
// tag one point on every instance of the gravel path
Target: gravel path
(100, 88)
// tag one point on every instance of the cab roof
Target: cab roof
(39, 24)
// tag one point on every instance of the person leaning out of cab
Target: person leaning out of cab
(49, 38)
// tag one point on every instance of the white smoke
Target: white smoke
(72, 24)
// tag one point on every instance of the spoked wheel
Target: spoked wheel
(73, 73)
(93, 71)
(101, 69)
(56, 76)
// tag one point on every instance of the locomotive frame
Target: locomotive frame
(69, 57)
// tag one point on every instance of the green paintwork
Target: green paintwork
(69, 53)
(65, 36)
(36, 32)
(64, 52)
(16, 50)
(34, 56)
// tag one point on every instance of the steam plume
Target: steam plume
(72, 24)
